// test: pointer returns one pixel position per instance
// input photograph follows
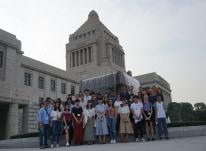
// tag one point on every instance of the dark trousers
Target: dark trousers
(138, 129)
(44, 131)
(56, 130)
(162, 127)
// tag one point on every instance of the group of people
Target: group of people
(89, 116)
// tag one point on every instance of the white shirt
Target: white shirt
(124, 109)
(117, 105)
(136, 108)
(56, 115)
(87, 98)
(160, 110)
(88, 113)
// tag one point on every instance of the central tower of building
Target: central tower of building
(93, 50)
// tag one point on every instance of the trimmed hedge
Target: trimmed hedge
(178, 124)
(26, 135)
(188, 123)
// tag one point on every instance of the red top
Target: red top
(67, 116)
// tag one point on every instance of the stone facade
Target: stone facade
(153, 79)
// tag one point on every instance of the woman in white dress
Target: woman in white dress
(89, 123)
(125, 125)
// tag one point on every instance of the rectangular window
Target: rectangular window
(81, 56)
(72, 89)
(85, 55)
(73, 59)
(53, 85)
(77, 57)
(90, 54)
(27, 79)
(63, 88)
(41, 83)
(1, 59)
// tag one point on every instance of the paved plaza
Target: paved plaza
(179, 144)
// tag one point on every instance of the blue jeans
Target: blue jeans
(56, 130)
(112, 127)
(162, 127)
(44, 131)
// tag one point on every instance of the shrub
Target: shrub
(26, 135)
(188, 123)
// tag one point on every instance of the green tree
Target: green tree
(187, 113)
(200, 106)
(200, 111)
(174, 111)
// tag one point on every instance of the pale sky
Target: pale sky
(163, 36)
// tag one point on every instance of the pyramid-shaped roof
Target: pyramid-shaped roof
(91, 23)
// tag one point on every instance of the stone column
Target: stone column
(102, 51)
(109, 51)
(74, 59)
(123, 61)
(12, 120)
(87, 55)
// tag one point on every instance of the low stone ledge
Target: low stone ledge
(174, 132)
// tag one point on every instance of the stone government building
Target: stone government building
(24, 82)
(93, 50)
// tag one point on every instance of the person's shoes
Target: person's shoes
(142, 140)
(148, 139)
(42, 147)
(114, 141)
(153, 139)
(111, 142)
(137, 140)
(160, 137)
(57, 145)
(167, 137)
(52, 146)
(67, 144)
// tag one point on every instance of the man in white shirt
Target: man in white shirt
(137, 110)
(87, 97)
(118, 103)
(161, 118)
